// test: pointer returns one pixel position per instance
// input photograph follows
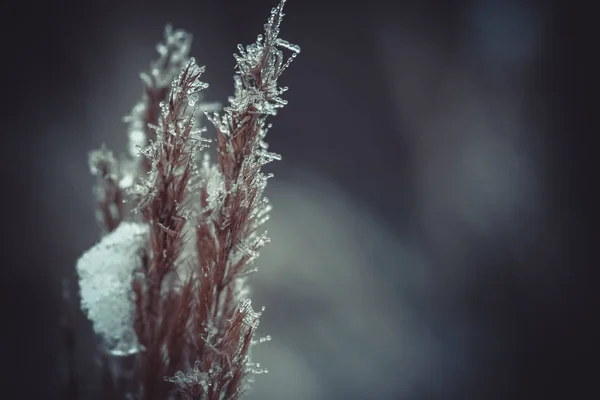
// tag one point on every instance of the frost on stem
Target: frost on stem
(221, 372)
(162, 311)
(233, 208)
(162, 196)
(173, 56)
(232, 198)
(242, 127)
(105, 283)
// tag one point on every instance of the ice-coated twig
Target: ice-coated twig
(162, 199)
(233, 208)
(173, 55)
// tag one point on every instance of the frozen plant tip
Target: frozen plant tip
(167, 283)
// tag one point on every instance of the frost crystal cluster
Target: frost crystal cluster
(167, 282)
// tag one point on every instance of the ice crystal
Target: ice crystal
(177, 140)
(173, 56)
(105, 273)
(193, 384)
(215, 187)
(259, 65)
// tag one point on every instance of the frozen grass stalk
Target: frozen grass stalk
(167, 282)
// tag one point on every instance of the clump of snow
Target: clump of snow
(105, 273)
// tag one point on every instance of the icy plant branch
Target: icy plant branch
(174, 54)
(233, 208)
(162, 198)
(168, 282)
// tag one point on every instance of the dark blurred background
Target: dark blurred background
(431, 230)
